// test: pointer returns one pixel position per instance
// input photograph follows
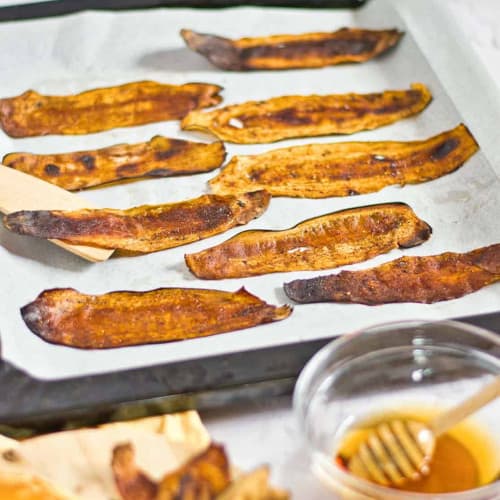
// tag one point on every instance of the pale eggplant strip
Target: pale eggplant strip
(32, 114)
(159, 157)
(67, 317)
(324, 242)
(142, 229)
(287, 117)
(346, 168)
(308, 50)
(131, 482)
(425, 280)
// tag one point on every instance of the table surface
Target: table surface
(266, 432)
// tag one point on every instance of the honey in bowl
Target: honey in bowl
(464, 458)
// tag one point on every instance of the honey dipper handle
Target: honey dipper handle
(458, 413)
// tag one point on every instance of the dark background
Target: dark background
(60, 7)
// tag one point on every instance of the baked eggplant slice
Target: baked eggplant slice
(408, 279)
(143, 229)
(286, 117)
(33, 114)
(67, 317)
(346, 168)
(328, 241)
(131, 482)
(159, 157)
(308, 50)
(203, 477)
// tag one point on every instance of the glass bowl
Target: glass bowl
(395, 369)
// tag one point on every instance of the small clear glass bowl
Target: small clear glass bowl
(387, 369)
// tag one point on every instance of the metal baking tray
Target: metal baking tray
(61, 55)
(35, 10)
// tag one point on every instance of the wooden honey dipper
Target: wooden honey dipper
(401, 450)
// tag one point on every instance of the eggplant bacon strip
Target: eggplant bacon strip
(286, 117)
(308, 50)
(33, 114)
(328, 241)
(203, 477)
(159, 157)
(67, 317)
(407, 279)
(142, 229)
(345, 169)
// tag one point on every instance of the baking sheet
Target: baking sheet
(87, 50)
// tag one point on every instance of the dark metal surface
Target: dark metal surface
(202, 383)
(60, 7)
(28, 400)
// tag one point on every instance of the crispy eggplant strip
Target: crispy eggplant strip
(142, 229)
(286, 117)
(407, 279)
(345, 169)
(33, 114)
(308, 50)
(116, 319)
(130, 481)
(202, 478)
(159, 157)
(328, 241)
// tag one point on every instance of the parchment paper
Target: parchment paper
(78, 462)
(87, 50)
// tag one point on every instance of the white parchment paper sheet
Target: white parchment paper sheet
(87, 50)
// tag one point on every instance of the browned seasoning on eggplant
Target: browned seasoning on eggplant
(346, 168)
(142, 229)
(117, 319)
(32, 114)
(308, 50)
(159, 157)
(328, 241)
(408, 279)
(291, 116)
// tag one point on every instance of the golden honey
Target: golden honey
(465, 457)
